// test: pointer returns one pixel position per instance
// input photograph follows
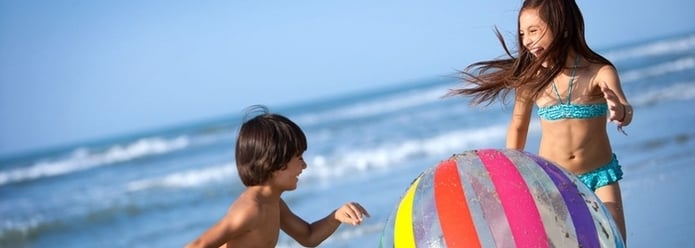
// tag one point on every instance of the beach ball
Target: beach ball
(499, 198)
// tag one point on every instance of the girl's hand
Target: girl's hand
(619, 113)
(351, 213)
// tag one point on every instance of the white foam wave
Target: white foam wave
(655, 48)
(24, 226)
(186, 179)
(82, 159)
(328, 168)
(675, 92)
(682, 64)
(379, 106)
(391, 155)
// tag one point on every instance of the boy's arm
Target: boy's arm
(234, 223)
(313, 234)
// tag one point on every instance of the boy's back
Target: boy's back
(253, 220)
(257, 218)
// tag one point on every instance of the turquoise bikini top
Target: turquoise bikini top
(569, 110)
(572, 111)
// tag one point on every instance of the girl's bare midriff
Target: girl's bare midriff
(578, 145)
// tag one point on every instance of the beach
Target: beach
(165, 187)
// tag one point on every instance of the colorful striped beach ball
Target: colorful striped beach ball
(499, 198)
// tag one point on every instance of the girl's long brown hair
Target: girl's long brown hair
(493, 79)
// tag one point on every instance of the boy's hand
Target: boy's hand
(351, 213)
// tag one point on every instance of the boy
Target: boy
(269, 160)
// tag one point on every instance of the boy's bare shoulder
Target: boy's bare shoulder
(245, 212)
(252, 220)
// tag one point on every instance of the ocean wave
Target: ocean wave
(331, 166)
(82, 159)
(683, 64)
(25, 232)
(671, 46)
(393, 154)
(186, 179)
(676, 92)
(21, 233)
(375, 107)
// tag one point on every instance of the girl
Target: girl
(574, 88)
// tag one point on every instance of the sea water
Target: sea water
(164, 188)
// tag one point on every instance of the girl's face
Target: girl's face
(534, 32)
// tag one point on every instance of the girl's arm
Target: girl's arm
(620, 110)
(519, 124)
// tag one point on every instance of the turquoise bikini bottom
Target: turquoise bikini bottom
(607, 174)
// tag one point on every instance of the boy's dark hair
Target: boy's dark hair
(265, 144)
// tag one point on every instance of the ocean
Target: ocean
(164, 188)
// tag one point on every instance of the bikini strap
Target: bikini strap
(571, 84)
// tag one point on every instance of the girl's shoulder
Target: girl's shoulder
(605, 72)
(604, 68)
(602, 73)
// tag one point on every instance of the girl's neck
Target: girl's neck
(570, 60)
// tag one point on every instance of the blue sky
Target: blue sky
(74, 71)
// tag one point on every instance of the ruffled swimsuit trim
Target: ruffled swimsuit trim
(573, 111)
(607, 174)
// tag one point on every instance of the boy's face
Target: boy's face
(287, 179)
